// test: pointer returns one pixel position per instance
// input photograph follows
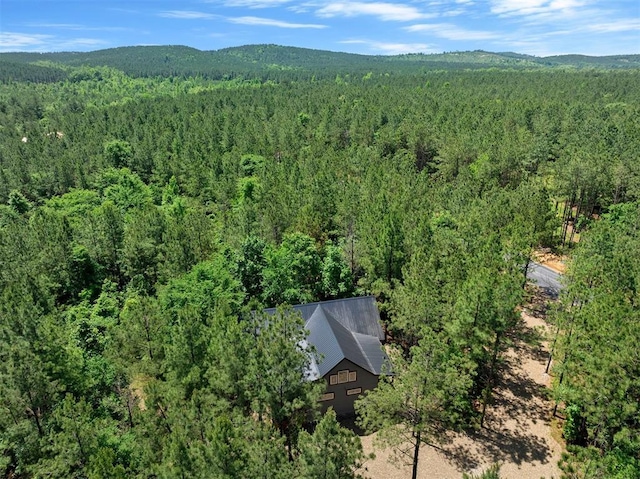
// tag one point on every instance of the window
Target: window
(327, 397)
(345, 376)
(351, 392)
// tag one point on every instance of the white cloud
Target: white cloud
(75, 26)
(75, 43)
(382, 10)
(509, 8)
(298, 9)
(187, 15)
(632, 25)
(516, 7)
(255, 3)
(71, 26)
(453, 32)
(564, 4)
(10, 41)
(268, 22)
(390, 48)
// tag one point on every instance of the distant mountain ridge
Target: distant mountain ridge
(271, 61)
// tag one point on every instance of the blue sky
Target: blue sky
(535, 27)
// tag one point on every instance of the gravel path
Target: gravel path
(517, 429)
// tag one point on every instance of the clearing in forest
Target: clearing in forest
(517, 430)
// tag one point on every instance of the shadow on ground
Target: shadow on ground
(519, 403)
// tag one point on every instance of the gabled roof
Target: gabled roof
(359, 315)
(344, 329)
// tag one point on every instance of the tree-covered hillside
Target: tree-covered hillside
(278, 62)
(148, 207)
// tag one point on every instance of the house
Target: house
(347, 336)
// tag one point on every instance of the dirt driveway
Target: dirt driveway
(517, 430)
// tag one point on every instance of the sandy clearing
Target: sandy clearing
(551, 260)
(517, 430)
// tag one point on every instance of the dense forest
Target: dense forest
(146, 210)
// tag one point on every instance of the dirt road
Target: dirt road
(517, 430)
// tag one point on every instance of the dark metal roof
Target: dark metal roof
(372, 350)
(359, 315)
(327, 344)
(343, 329)
(334, 342)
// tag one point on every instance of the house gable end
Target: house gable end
(342, 395)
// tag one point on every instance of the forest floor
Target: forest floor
(517, 429)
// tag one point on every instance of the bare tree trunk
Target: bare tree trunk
(575, 220)
(566, 353)
(35, 412)
(416, 454)
(566, 213)
(526, 271)
(553, 347)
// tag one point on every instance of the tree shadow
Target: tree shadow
(538, 300)
(349, 421)
(519, 404)
(517, 415)
(518, 399)
(490, 446)
(530, 341)
(507, 436)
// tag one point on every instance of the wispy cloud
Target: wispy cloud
(187, 15)
(367, 26)
(244, 20)
(70, 26)
(507, 8)
(268, 22)
(382, 10)
(578, 25)
(76, 27)
(301, 8)
(450, 31)
(12, 41)
(629, 25)
(253, 3)
(454, 13)
(390, 48)
(80, 43)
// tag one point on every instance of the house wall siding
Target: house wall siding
(342, 403)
